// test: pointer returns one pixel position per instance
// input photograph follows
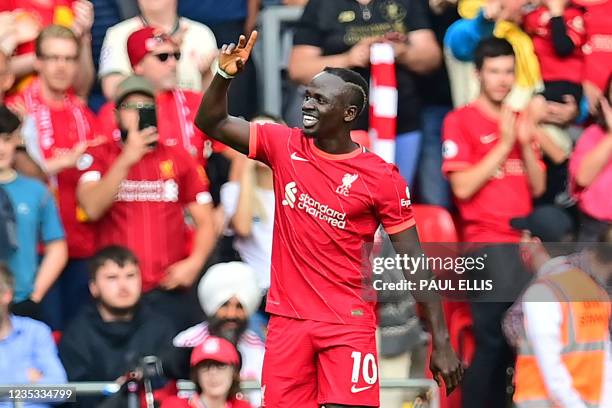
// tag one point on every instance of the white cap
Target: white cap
(223, 281)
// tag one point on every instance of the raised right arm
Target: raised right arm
(213, 118)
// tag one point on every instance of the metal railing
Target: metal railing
(271, 20)
(88, 389)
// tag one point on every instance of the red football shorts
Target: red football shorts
(308, 364)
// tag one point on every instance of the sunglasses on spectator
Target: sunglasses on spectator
(58, 58)
(163, 56)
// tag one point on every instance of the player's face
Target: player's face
(324, 107)
(8, 144)
(58, 64)
(497, 77)
(117, 288)
(159, 66)
(215, 379)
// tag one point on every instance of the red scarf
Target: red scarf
(42, 116)
(383, 101)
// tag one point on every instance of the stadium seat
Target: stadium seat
(435, 223)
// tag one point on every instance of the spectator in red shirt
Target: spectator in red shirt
(58, 129)
(30, 17)
(215, 368)
(137, 189)
(558, 33)
(597, 50)
(494, 172)
(154, 55)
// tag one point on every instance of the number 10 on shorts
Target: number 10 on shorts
(366, 366)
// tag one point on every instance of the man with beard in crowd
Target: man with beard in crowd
(229, 295)
(118, 327)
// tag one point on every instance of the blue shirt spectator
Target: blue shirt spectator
(211, 12)
(37, 219)
(28, 348)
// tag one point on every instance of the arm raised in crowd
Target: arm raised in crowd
(213, 118)
(96, 196)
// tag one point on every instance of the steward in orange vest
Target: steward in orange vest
(584, 334)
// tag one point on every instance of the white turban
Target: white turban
(223, 281)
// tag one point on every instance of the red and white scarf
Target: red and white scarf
(44, 123)
(42, 116)
(383, 101)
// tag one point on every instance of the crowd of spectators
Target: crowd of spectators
(131, 240)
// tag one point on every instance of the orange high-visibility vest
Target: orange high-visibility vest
(584, 331)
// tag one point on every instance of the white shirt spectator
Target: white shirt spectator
(198, 43)
(256, 249)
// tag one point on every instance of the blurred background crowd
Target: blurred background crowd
(116, 247)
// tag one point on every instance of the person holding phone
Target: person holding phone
(137, 189)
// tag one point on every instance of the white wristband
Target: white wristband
(222, 72)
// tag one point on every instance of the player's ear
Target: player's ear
(351, 113)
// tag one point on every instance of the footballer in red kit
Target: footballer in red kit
(331, 196)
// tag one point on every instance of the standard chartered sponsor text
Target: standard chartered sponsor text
(321, 211)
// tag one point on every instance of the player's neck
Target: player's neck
(336, 145)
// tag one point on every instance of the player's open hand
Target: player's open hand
(445, 364)
(233, 58)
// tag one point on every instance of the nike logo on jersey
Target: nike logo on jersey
(294, 156)
(355, 389)
(486, 139)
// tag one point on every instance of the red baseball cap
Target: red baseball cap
(143, 41)
(216, 349)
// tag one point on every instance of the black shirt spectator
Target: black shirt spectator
(335, 26)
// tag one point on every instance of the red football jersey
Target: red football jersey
(176, 112)
(327, 208)
(147, 215)
(64, 130)
(468, 136)
(553, 67)
(598, 48)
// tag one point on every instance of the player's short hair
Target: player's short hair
(491, 47)
(7, 281)
(114, 253)
(9, 122)
(55, 31)
(357, 84)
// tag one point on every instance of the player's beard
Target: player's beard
(215, 328)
